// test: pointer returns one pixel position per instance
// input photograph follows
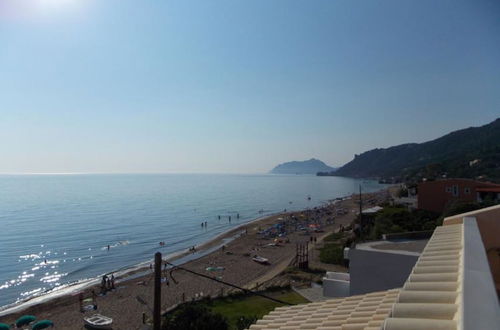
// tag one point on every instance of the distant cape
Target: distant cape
(311, 166)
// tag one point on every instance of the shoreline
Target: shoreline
(240, 270)
(132, 272)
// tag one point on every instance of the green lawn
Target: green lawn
(234, 308)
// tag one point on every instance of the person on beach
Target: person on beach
(112, 282)
(80, 302)
(103, 284)
(108, 247)
(94, 300)
(205, 224)
(229, 219)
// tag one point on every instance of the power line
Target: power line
(174, 267)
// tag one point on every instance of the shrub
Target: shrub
(244, 322)
(331, 254)
(334, 237)
(403, 192)
(194, 317)
(398, 219)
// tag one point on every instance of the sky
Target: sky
(227, 86)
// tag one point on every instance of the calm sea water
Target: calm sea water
(55, 229)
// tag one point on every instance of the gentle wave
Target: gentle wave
(56, 229)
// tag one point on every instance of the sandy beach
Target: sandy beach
(133, 296)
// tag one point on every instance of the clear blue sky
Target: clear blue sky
(237, 86)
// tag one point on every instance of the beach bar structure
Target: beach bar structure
(453, 286)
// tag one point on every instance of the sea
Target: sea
(55, 229)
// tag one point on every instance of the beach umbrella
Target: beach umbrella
(25, 319)
(4, 326)
(42, 324)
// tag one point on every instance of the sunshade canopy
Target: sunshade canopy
(42, 324)
(25, 319)
(4, 326)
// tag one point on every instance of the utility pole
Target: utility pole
(157, 293)
(360, 214)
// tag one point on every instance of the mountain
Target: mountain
(470, 153)
(311, 166)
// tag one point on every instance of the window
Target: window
(455, 190)
(448, 189)
(467, 191)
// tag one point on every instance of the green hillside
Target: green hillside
(449, 155)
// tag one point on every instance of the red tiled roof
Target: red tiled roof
(489, 189)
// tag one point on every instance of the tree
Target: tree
(194, 317)
(244, 322)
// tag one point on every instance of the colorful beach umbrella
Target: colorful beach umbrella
(25, 319)
(4, 326)
(42, 324)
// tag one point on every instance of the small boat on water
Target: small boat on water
(260, 260)
(98, 321)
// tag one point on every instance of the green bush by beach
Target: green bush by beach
(334, 236)
(398, 219)
(250, 306)
(331, 254)
(232, 312)
(193, 316)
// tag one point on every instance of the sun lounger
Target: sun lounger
(261, 260)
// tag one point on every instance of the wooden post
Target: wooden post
(360, 215)
(80, 301)
(301, 252)
(157, 293)
(307, 255)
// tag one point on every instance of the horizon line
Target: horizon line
(118, 173)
